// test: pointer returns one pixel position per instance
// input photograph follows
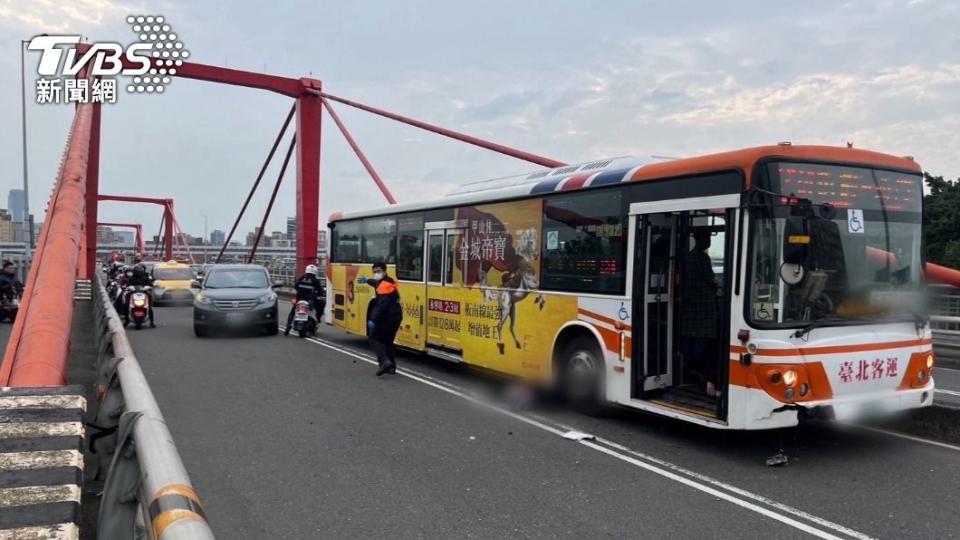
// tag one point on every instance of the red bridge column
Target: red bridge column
(89, 262)
(309, 109)
(168, 230)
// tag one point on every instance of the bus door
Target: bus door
(444, 287)
(655, 277)
(682, 301)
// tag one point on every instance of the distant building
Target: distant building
(217, 237)
(322, 242)
(252, 236)
(17, 205)
(291, 229)
(6, 227)
(125, 237)
(105, 235)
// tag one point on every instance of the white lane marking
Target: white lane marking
(948, 392)
(720, 484)
(41, 429)
(43, 459)
(912, 438)
(646, 466)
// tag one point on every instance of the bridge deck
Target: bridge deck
(289, 438)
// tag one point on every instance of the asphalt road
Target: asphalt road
(291, 438)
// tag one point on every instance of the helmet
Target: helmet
(311, 269)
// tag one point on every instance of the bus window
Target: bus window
(436, 258)
(456, 251)
(410, 248)
(584, 247)
(380, 240)
(346, 242)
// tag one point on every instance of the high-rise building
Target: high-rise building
(217, 237)
(17, 205)
(291, 228)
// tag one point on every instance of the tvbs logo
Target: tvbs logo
(148, 63)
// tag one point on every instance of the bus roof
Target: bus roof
(606, 172)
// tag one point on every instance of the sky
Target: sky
(570, 80)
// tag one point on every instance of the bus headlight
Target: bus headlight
(929, 361)
(789, 377)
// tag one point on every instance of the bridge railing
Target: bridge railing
(945, 320)
(145, 461)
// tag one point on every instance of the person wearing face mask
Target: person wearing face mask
(308, 288)
(384, 321)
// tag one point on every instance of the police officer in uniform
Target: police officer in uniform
(308, 288)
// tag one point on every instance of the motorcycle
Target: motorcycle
(303, 322)
(9, 306)
(138, 306)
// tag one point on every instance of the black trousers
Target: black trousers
(382, 344)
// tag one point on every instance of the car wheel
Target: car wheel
(200, 331)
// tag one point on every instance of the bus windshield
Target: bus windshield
(861, 260)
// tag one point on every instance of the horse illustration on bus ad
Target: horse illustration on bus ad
(495, 244)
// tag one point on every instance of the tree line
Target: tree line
(941, 221)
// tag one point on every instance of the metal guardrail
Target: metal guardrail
(147, 492)
(945, 321)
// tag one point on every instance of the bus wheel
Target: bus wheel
(583, 374)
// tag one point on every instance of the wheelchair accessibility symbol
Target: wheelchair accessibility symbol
(623, 313)
(855, 221)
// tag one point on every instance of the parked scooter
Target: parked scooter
(138, 305)
(303, 322)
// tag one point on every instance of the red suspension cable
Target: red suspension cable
(506, 150)
(256, 183)
(356, 150)
(273, 197)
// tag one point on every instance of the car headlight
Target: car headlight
(203, 299)
(267, 298)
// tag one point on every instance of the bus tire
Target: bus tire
(582, 373)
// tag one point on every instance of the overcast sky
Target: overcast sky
(572, 80)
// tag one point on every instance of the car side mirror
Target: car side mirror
(277, 284)
(194, 284)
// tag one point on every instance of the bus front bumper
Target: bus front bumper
(870, 406)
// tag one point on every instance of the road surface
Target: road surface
(291, 438)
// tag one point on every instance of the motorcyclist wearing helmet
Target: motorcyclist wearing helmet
(308, 288)
(139, 277)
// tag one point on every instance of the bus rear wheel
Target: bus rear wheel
(582, 375)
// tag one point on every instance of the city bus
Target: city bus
(740, 290)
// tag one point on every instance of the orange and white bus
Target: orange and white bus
(740, 290)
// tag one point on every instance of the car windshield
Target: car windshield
(172, 273)
(236, 279)
(861, 255)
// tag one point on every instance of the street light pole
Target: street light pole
(28, 229)
(207, 244)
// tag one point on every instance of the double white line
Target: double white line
(788, 515)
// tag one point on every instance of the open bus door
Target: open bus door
(681, 287)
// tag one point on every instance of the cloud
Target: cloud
(39, 16)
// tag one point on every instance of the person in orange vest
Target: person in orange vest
(384, 319)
